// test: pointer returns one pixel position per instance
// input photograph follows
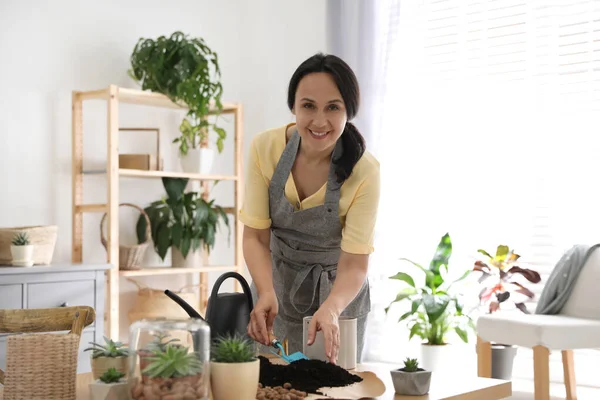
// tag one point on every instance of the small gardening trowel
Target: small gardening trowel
(289, 358)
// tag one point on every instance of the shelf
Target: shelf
(144, 98)
(138, 173)
(152, 271)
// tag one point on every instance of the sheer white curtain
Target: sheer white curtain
(483, 120)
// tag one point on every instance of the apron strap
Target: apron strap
(320, 279)
(286, 161)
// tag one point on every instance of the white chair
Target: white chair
(576, 327)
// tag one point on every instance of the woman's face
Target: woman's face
(320, 112)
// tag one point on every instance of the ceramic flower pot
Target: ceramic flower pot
(106, 391)
(22, 256)
(411, 383)
(198, 161)
(234, 380)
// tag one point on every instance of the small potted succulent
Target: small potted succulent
(109, 355)
(110, 385)
(171, 370)
(159, 343)
(411, 380)
(21, 250)
(235, 369)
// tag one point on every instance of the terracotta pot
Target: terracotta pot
(102, 364)
(234, 380)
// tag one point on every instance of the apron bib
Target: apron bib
(305, 249)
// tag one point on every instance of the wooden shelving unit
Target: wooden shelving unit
(114, 95)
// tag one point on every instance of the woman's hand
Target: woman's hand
(262, 316)
(326, 319)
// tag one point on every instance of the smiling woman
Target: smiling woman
(309, 212)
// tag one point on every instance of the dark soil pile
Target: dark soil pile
(305, 375)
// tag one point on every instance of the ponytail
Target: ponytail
(353, 145)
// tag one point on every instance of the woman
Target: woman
(309, 212)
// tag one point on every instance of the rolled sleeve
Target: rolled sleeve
(359, 226)
(255, 208)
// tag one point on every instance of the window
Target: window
(489, 134)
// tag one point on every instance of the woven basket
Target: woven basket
(42, 237)
(41, 366)
(154, 303)
(130, 256)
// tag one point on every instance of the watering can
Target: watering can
(227, 314)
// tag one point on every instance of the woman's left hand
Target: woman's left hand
(326, 319)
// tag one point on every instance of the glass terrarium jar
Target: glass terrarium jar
(169, 358)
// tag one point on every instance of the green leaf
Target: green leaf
(163, 241)
(485, 253)
(501, 253)
(404, 316)
(441, 257)
(177, 233)
(402, 276)
(462, 334)
(435, 306)
(220, 144)
(174, 186)
(140, 229)
(404, 294)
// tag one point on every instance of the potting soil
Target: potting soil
(305, 375)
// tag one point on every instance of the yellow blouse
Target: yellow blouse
(359, 195)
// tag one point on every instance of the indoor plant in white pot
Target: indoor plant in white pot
(503, 282)
(434, 309)
(411, 380)
(106, 356)
(189, 75)
(21, 250)
(110, 385)
(183, 222)
(235, 369)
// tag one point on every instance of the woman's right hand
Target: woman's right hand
(262, 316)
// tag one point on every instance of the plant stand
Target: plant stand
(114, 96)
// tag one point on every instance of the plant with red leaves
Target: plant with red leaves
(500, 279)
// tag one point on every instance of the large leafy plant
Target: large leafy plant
(183, 220)
(500, 279)
(185, 70)
(434, 310)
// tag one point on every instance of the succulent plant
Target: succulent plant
(411, 365)
(20, 239)
(110, 349)
(232, 349)
(175, 362)
(112, 376)
(159, 343)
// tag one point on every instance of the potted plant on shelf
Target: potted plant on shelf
(21, 250)
(434, 310)
(171, 370)
(235, 369)
(503, 282)
(184, 222)
(106, 356)
(110, 385)
(187, 71)
(411, 380)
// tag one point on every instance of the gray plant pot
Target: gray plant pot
(411, 383)
(503, 357)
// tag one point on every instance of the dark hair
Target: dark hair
(352, 141)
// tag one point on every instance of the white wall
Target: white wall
(52, 48)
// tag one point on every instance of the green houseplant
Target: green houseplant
(186, 70)
(110, 385)
(21, 250)
(503, 282)
(171, 370)
(109, 355)
(235, 369)
(184, 222)
(434, 310)
(411, 380)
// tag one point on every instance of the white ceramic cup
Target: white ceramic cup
(348, 343)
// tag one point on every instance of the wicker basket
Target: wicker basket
(41, 366)
(154, 303)
(42, 237)
(131, 255)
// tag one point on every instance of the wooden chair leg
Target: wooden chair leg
(484, 358)
(541, 372)
(569, 371)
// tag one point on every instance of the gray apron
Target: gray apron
(305, 249)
